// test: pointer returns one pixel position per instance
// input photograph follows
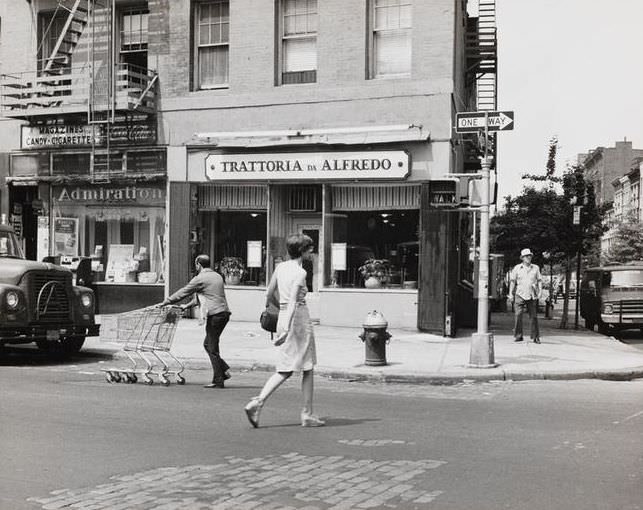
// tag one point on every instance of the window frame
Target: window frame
(372, 72)
(196, 30)
(282, 38)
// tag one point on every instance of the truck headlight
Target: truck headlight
(608, 309)
(86, 300)
(12, 299)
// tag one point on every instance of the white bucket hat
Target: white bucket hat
(526, 252)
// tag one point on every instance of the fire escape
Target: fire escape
(92, 87)
(482, 61)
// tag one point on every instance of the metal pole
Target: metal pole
(482, 354)
(577, 287)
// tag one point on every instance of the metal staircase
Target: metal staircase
(60, 57)
(482, 55)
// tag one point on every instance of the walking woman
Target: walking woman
(295, 339)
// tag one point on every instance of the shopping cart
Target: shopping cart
(146, 336)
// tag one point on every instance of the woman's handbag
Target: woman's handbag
(269, 318)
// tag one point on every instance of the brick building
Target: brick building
(252, 120)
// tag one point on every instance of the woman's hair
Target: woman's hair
(298, 244)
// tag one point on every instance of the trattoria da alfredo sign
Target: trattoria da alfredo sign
(308, 165)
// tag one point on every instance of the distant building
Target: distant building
(627, 201)
(604, 164)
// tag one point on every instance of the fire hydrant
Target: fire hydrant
(375, 338)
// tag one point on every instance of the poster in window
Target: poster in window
(254, 254)
(338, 256)
(42, 250)
(66, 236)
(120, 264)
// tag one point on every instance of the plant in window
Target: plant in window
(375, 272)
(232, 269)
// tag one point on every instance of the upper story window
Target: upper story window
(50, 29)
(299, 41)
(212, 44)
(391, 38)
(134, 37)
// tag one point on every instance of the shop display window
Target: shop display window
(237, 242)
(373, 249)
(125, 243)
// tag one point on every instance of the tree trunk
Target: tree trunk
(568, 279)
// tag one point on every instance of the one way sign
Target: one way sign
(471, 122)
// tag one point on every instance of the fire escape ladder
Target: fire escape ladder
(68, 39)
(482, 55)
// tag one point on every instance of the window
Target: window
(299, 41)
(391, 44)
(212, 44)
(134, 37)
(50, 27)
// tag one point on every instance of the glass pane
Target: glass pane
(225, 12)
(215, 33)
(290, 25)
(392, 53)
(225, 32)
(213, 66)
(381, 18)
(204, 34)
(290, 7)
(204, 13)
(300, 55)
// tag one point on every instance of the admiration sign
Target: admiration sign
(308, 165)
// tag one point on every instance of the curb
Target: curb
(498, 374)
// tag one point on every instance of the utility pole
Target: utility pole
(482, 352)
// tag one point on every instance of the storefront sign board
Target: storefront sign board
(254, 254)
(66, 236)
(308, 165)
(58, 136)
(131, 193)
(338, 256)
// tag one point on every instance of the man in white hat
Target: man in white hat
(525, 287)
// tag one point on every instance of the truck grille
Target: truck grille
(54, 305)
(630, 306)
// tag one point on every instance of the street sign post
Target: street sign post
(473, 122)
(482, 349)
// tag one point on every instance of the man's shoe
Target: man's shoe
(215, 385)
(227, 375)
(518, 339)
(310, 420)
(536, 340)
(253, 409)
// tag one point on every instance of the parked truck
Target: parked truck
(39, 303)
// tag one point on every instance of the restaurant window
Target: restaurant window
(232, 229)
(299, 41)
(374, 237)
(212, 44)
(391, 38)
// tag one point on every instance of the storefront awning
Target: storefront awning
(27, 180)
(331, 136)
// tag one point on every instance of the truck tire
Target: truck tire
(65, 347)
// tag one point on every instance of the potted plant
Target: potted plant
(232, 269)
(375, 272)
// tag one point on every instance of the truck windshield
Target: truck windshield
(9, 246)
(630, 278)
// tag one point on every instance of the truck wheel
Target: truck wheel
(604, 329)
(63, 348)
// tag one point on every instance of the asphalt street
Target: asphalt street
(70, 438)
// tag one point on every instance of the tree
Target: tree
(627, 244)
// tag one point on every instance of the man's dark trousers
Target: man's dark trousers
(531, 307)
(213, 329)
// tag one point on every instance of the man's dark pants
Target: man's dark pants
(213, 329)
(531, 307)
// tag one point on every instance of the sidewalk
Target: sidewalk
(415, 357)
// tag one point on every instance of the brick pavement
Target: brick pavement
(292, 481)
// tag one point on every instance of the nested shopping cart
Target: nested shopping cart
(146, 336)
